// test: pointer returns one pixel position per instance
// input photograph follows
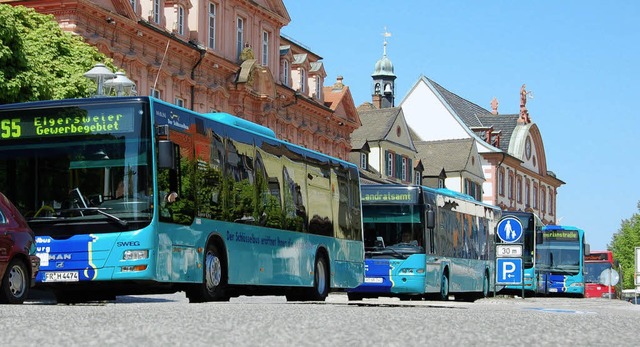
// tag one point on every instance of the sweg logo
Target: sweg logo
(127, 243)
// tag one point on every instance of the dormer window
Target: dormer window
(156, 11)
(303, 79)
(364, 160)
(180, 21)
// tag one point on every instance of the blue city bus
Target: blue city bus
(531, 227)
(424, 243)
(560, 261)
(133, 195)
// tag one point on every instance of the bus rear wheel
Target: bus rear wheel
(444, 287)
(320, 289)
(214, 279)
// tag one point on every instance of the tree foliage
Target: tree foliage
(39, 61)
(623, 247)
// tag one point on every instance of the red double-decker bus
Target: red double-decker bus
(594, 265)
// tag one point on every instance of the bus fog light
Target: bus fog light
(136, 254)
(134, 268)
(577, 284)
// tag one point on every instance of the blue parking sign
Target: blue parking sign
(509, 230)
(508, 271)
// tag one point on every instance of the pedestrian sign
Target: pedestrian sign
(508, 271)
(509, 230)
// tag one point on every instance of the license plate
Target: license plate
(372, 280)
(61, 276)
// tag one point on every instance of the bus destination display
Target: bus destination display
(61, 125)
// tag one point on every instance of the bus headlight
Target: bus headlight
(136, 254)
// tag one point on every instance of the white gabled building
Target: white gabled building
(511, 147)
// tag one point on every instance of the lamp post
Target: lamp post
(100, 73)
(122, 84)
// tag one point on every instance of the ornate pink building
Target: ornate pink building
(215, 55)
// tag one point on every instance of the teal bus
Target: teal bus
(560, 264)
(531, 227)
(133, 195)
(424, 243)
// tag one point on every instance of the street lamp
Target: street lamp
(122, 84)
(100, 74)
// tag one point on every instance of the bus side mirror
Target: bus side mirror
(539, 236)
(587, 249)
(166, 155)
(431, 219)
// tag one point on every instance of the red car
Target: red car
(19, 264)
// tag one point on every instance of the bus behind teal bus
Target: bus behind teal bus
(597, 265)
(424, 243)
(133, 195)
(560, 261)
(531, 227)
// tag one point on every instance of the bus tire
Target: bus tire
(444, 286)
(355, 296)
(485, 285)
(320, 288)
(15, 283)
(214, 279)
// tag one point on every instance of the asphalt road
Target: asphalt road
(169, 320)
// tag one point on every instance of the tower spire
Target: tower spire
(385, 34)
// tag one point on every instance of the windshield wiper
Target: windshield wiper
(120, 221)
(113, 218)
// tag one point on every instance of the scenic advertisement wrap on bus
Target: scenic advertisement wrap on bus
(135, 195)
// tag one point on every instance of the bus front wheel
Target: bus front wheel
(214, 281)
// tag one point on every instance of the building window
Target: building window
(212, 25)
(519, 189)
(550, 201)
(133, 4)
(510, 186)
(285, 73)
(543, 199)
(418, 178)
(364, 159)
(265, 48)
(179, 102)
(501, 182)
(303, 80)
(156, 11)
(527, 193)
(155, 93)
(180, 22)
(318, 85)
(535, 196)
(239, 36)
(389, 164)
(404, 169)
(441, 183)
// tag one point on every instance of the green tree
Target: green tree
(623, 247)
(39, 61)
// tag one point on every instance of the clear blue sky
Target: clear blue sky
(579, 58)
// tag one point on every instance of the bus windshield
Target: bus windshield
(592, 271)
(560, 255)
(67, 167)
(393, 229)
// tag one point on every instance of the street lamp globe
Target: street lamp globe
(121, 84)
(100, 73)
